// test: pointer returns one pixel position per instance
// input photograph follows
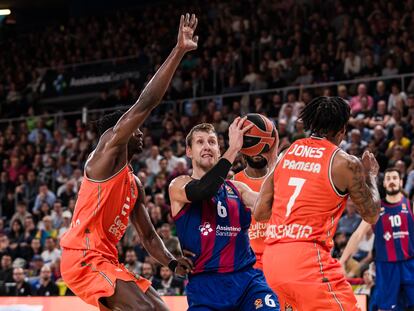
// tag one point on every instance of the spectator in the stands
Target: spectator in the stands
(44, 196)
(21, 287)
(350, 221)
(47, 231)
(50, 253)
(131, 262)
(46, 286)
(169, 285)
(355, 102)
(170, 241)
(152, 162)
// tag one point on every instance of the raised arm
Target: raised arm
(156, 88)
(356, 238)
(151, 240)
(184, 189)
(358, 177)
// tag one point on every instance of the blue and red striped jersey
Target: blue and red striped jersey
(216, 230)
(394, 232)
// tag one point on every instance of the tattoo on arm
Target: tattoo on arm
(364, 192)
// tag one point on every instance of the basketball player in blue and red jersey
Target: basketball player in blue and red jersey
(394, 246)
(110, 196)
(212, 216)
(304, 199)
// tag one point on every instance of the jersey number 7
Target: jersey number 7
(298, 184)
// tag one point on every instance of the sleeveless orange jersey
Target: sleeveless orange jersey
(306, 209)
(306, 205)
(89, 262)
(101, 214)
(257, 230)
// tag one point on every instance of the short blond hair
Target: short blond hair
(203, 127)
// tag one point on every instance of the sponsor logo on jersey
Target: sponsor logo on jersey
(120, 224)
(387, 236)
(293, 231)
(257, 231)
(310, 167)
(258, 303)
(206, 229)
(230, 192)
(395, 235)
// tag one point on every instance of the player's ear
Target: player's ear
(188, 152)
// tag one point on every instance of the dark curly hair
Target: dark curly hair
(326, 116)
(108, 121)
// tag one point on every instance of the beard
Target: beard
(258, 164)
(392, 191)
(205, 166)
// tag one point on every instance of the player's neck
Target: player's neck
(255, 173)
(198, 172)
(394, 198)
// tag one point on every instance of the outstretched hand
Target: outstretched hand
(370, 164)
(186, 40)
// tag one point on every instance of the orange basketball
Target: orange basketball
(261, 137)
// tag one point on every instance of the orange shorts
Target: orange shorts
(91, 276)
(306, 277)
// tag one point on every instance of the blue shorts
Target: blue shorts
(394, 283)
(241, 290)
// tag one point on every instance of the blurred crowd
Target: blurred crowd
(42, 168)
(247, 45)
(244, 45)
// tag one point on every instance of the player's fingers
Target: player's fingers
(188, 264)
(181, 21)
(187, 253)
(187, 19)
(247, 128)
(195, 24)
(195, 39)
(235, 122)
(241, 121)
(192, 21)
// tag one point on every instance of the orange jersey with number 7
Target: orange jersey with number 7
(306, 209)
(306, 204)
(257, 230)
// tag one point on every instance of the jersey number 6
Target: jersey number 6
(221, 210)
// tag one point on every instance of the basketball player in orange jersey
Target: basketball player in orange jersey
(253, 176)
(110, 195)
(304, 199)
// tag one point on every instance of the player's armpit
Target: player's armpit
(362, 188)
(263, 207)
